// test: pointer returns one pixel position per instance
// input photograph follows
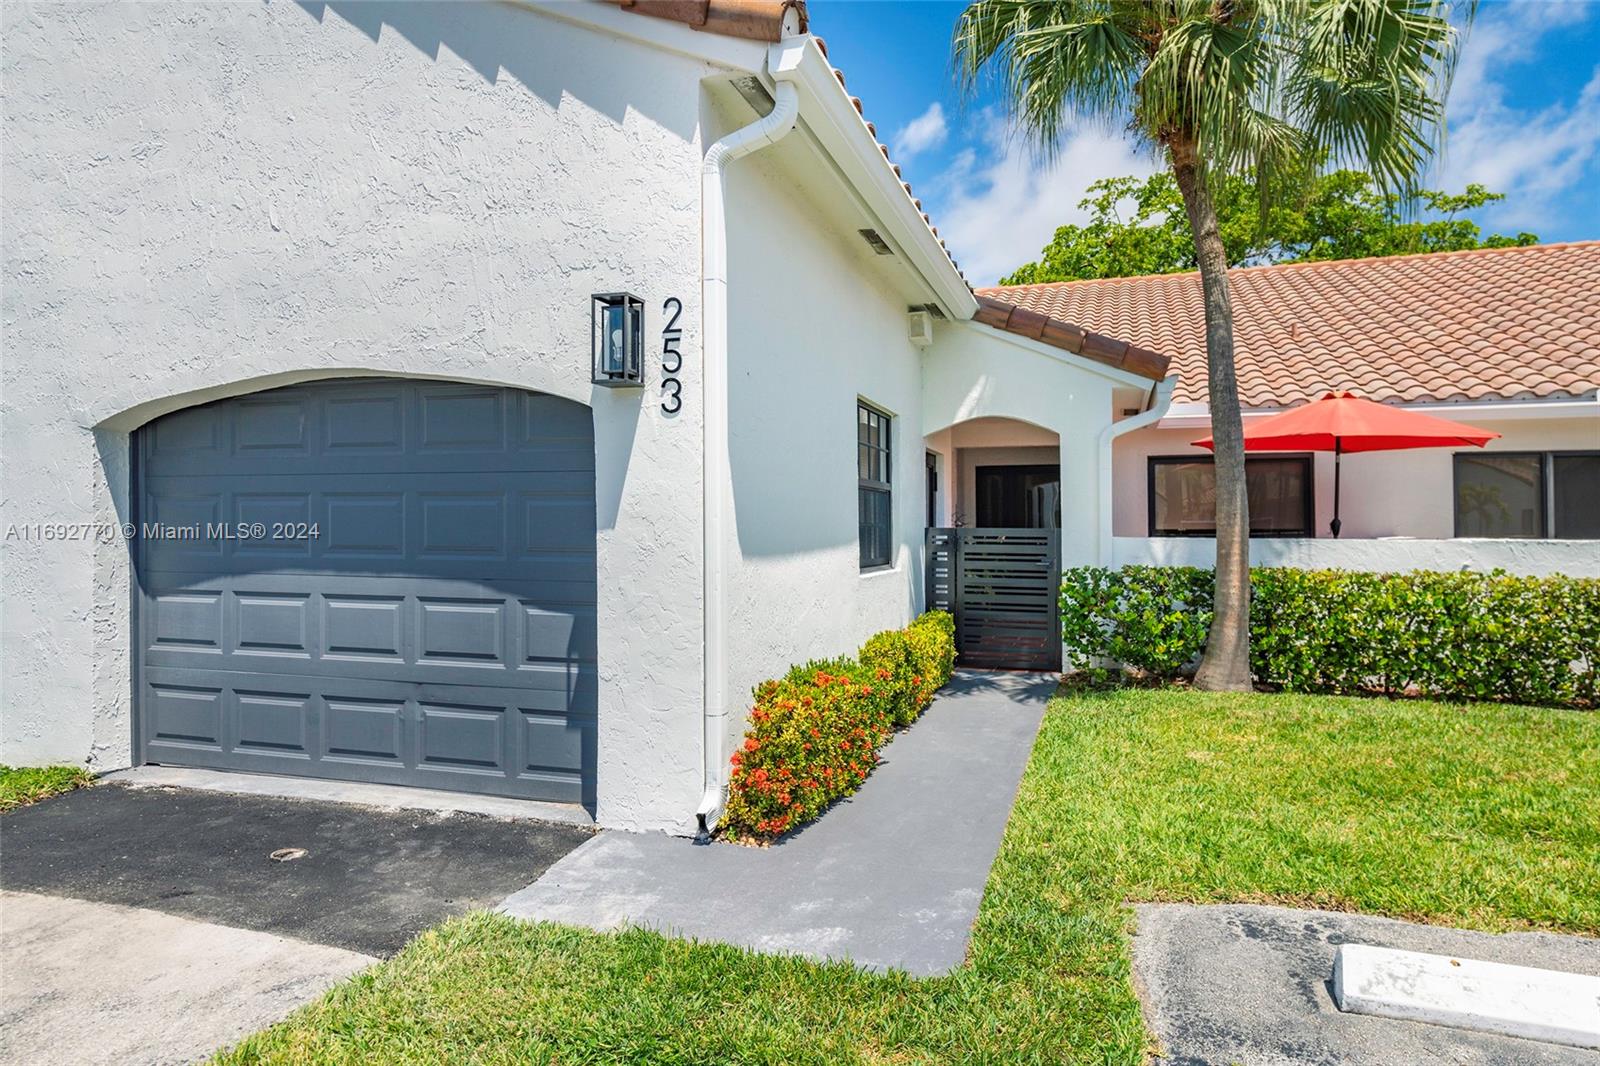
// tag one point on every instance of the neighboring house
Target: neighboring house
(1504, 339)
(304, 292)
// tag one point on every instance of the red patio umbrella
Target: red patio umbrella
(1344, 422)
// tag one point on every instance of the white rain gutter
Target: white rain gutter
(714, 301)
(1161, 400)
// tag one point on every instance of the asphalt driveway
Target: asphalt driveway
(153, 925)
(369, 880)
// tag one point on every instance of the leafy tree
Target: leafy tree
(1220, 88)
(1343, 215)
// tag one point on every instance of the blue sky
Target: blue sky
(1524, 119)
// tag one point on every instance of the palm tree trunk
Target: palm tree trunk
(1226, 664)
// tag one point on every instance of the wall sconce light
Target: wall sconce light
(617, 340)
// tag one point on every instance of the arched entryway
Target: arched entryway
(371, 579)
(994, 540)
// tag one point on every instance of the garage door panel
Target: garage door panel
(364, 729)
(486, 639)
(440, 524)
(274, 623)
(277, 426)
(465, 738)
(273, 722)
(438, 630)
(186, 715)
(366, 428)
(363, 627)
(189, 621)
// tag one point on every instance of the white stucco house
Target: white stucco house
(485, 396)
(308, 465)
(1504, 339)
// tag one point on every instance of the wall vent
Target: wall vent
(879, 245)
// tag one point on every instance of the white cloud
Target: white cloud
(999, 205)
(927, 130)
(1535, 157)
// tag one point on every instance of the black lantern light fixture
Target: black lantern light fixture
(617, 339)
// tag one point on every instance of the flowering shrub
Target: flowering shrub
(1455, 635)
(814, 734)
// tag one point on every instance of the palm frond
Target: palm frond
(1270, 87)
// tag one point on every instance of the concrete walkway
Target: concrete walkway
(1253, 984)
(890, 878)
(98, 983)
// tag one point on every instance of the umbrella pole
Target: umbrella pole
(1335, 524)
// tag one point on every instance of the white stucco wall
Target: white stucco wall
(974, 372)
(1403, 495)
(812, 328)
(1532, 558)
(1382, 494)
(202, 200)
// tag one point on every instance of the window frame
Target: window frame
(1546, 494)
(1550, 460)
(884, 487)
(1308, 510)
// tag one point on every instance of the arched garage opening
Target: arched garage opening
(371, 579)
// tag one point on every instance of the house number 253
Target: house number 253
(671, 357)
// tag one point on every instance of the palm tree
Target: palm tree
(1259, 88)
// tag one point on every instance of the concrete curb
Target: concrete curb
(1492, 997)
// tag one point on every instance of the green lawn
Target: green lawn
(1481, 815)
(22, 785)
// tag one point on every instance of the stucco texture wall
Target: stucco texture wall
(811, 329)
(202, 200)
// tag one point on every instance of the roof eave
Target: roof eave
(673, 35)
(1115, 375)
(1057, 333)
(841, 132)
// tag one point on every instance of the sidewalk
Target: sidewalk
(889, 879)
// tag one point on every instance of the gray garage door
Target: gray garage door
(373, 580)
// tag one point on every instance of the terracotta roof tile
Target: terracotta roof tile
(756, 20)
(1488, 324)
(1047, 329)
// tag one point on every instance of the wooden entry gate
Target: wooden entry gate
(1002, 587)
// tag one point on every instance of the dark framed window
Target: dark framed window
(873, 492)
(1575, 495)
(1527, 494)
(932, 462)
(1019, 497)
(1182, 493)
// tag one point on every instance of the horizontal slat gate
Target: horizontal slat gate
(1001, 585)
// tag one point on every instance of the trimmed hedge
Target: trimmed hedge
(1453, 635)
(814, 734)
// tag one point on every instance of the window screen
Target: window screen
(1183, 496)
(1576, 502)
(1500, 495)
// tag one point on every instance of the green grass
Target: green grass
(1481, 816)
(22, 785)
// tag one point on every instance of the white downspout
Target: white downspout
(1158, 408)
(714, 302)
